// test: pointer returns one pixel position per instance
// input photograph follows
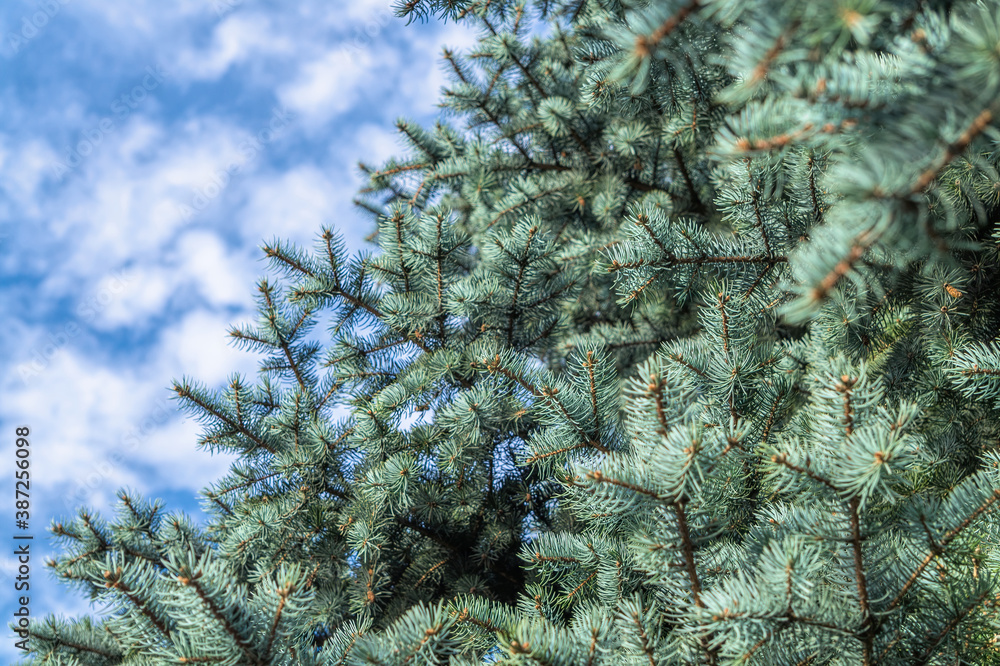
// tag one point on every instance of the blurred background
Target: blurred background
(146, 150)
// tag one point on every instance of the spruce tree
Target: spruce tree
(681, 345)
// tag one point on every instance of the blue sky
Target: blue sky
(146, 150)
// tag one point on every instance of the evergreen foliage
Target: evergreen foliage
(685, 349)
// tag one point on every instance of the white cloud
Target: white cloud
(292, 206)
(329, 85)
(175, 461)
(123, 203)
(199, 263)
(97, 427)
(373, 145)
(141, 20)
(423, 92)
(199, 346)
(239, 37)
(224, 278)
(82, 408)
(23, 166)
(76, 407)
(370, 10)
(116, 297)
(147, 294)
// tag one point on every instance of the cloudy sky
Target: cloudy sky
(147, 148)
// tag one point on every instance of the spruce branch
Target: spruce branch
(954, 149)
(948, 537)
(572, 423)
(644, 44)
(113, 580)
(187, 578)
(183, 390)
